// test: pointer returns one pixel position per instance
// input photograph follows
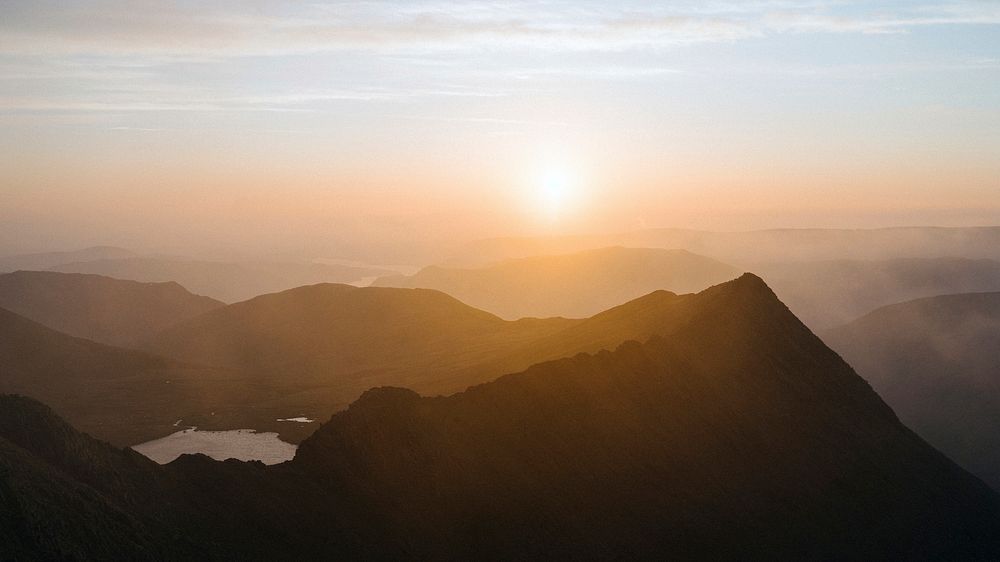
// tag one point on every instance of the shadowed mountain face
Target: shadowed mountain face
(53, 259)
(825, 294)
(120, 395)
(936, 361)
(36, 492)
(99, 308)
(735, 435)
(67, 496)
(574, 285)
(228, 282)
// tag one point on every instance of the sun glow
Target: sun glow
(555, 194)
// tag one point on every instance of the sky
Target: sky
(349, 129)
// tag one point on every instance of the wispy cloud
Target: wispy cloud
(818, 23)
(107, 56)
(487, 120)
(270, 28)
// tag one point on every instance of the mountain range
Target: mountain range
(756, 246)
(308, 351)
(317, 348)
(226, 281)
(733, 434)
(46, 260)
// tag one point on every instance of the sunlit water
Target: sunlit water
(242, 444)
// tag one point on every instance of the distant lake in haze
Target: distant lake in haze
(364, 281)
(242, 444)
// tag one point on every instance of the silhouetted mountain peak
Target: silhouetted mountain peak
(747, 285)
(750, 298)
(749, 280)
(385, 397)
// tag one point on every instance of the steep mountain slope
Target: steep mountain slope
(228, 282)
(120, 395)
(61, 492)
(575, 285)
(936, 361)
(99, 308)
(67, 496)
(735, 435)
(53, 259)
(825, 294)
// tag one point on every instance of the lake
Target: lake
(242, 444)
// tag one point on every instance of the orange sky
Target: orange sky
(320, 128)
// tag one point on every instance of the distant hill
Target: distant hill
(574, 285)
(227, 282)
(936, 361)
(99, 308)
(825, 294)
(743, 248)
(324, 345)
(736, 435)
(53, 259)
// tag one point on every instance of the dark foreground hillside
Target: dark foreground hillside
(737, 435)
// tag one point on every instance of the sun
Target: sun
(555, 193)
